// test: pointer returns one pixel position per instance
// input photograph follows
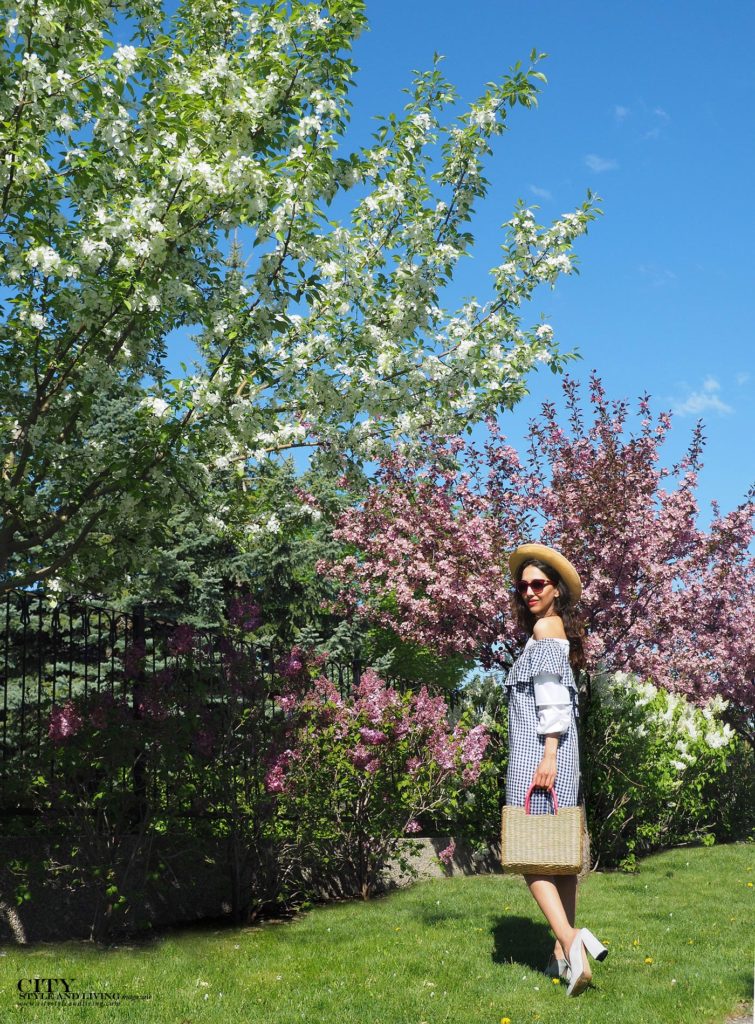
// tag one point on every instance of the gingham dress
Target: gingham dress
(525, 746)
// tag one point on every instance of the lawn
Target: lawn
(470, 950)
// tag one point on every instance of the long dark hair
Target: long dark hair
(563, 605)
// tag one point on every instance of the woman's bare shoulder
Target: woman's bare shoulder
(551, 627)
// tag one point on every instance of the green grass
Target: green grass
(462, 949)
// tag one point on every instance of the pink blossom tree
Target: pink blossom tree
(429, 545)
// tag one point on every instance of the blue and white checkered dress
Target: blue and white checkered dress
(525, 746)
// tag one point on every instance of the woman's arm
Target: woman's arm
(545, 773)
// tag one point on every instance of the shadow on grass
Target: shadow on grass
(519, 940)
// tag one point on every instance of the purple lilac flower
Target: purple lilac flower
(443, 750)
(275, 778)
(474, 744)
(245, 613)
(292, 664)
(429, 712)
(287, 702)
(374, 737)
(374, 697)
(447, 855)
(151, 708)
(65, 722)
(360, 756)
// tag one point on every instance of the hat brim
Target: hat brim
(551, 557)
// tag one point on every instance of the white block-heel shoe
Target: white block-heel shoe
(579, 966)
(557, 968)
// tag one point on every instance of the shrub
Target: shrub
(654, 768)
(359, 774)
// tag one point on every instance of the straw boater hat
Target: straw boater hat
(563, 567)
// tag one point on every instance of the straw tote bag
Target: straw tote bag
(549, 844)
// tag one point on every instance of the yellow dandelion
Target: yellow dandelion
(749, 885)
(505, 1020)
(636, 942)
(690, 942)
(556, 981)
(648, 959)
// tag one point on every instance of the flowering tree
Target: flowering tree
(430, 542)
(127, 172)
(384, 759)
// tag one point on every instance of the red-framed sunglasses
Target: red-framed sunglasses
(536, 586)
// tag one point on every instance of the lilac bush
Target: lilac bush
(355, 775)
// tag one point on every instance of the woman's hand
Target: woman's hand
(545, 773)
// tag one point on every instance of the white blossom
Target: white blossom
(43, 258)
(125, 57)
(157, 406)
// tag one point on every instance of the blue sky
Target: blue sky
(650, 105)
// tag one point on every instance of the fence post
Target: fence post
(136, 666)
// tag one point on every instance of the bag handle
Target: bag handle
(529, 794)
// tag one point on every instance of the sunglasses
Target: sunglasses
(536, 586)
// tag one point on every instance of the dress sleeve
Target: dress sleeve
(553, 702)
(554, 686)
(546, 660)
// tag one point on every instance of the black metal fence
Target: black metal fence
(56, 660)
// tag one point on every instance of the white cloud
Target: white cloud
(662, 119)
(705, 400)
(657, 276)
(620, 113)
(541, 193)
(600, 163)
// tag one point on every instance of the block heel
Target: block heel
(579, 966)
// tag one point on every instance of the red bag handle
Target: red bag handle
(529, 794)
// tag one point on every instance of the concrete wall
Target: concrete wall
(42, 900)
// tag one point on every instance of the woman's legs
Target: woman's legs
(567, 890)
(556, 897)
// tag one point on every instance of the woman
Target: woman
(543, 749)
